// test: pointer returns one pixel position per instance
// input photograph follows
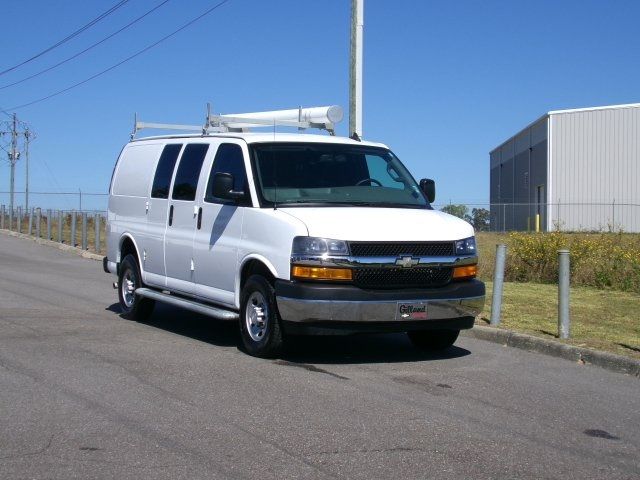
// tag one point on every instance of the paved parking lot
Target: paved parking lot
(86, 394)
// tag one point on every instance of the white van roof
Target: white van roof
(264, 137)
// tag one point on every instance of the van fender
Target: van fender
(251, 256)
(123, 237)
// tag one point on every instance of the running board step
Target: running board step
(208, 310)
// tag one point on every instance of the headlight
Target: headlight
(466, 246)
(318, 246)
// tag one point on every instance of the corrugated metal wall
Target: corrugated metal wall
(595, 169)
(518, 178)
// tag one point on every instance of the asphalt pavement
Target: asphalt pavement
(87, 394)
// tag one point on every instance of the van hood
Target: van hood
(380, 224)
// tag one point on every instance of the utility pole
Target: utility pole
(355, 70)
(27, 136)
(13, 158)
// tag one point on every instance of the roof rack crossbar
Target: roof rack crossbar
(323, 118)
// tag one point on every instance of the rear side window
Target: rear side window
(229, 159)
(164, 171)
(186, 183)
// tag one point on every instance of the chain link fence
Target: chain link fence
(83, 229)
(57, 219)
(558, 216)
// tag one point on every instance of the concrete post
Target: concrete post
(38, 221)
(84, 231)
(19, 219)
(10, 218)
(2, 213)
(60, 226)
(49, 220)
(96, 225)
(30, 227)
(498, 281)
(73, 229)
(563, 293)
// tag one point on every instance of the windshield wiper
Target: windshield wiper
(387, 204)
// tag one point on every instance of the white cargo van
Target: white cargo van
(287, 234)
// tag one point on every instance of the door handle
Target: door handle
(170, 215)
(199, 218)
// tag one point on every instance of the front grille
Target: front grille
(389, 278)
(395, 249)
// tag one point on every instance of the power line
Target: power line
(69, 37)
(86, 49)
(131, 57)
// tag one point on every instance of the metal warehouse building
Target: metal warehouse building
(570, 170)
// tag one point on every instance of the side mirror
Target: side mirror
(223, 187)
(428, 187)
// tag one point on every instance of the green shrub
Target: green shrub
(603, 260)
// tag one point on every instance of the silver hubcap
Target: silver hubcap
(256, 316)
(128, 288)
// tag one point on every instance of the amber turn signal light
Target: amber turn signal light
(462, 273)
(320, 273)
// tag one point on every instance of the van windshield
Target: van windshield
(333, 174)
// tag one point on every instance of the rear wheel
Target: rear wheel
(260, 327)
(433, 339)
(129, 279)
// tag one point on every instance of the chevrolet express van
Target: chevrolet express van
(288, 234)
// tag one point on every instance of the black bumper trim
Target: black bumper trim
(313, 291)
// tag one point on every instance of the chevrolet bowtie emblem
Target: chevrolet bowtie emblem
(407, 262)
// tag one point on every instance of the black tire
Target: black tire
(133, 306)
(260, 326)
(433, 339)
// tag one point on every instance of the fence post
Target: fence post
(73, 229)
(498, 281)
(11, 218)
(563, 293)
(96, 226)
(38, 221)
(2, 217)
(84, 230)
(19, 219)
(60, 226)
(30, 226)
(49, 212)
(613, 223)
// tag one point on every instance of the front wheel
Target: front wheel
(129, 279)
(260, 327)
(433, 339)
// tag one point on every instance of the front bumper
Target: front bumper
(308, 306)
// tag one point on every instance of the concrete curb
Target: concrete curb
(59, 246)
(610, 361)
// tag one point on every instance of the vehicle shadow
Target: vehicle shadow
(363, 348)
(330, 349)
(189, 324)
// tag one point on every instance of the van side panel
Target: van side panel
(129, 195)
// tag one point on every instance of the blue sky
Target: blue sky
(444, 82)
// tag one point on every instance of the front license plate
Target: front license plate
(411, 311)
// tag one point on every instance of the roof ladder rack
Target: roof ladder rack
(323, 118)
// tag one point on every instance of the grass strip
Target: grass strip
(601, 319)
